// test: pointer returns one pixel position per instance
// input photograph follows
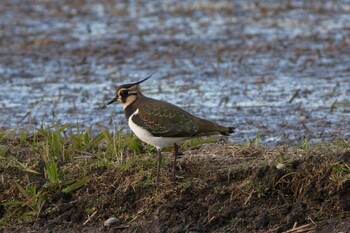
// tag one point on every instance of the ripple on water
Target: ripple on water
(238, 63)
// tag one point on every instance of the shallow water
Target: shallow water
(233, 62)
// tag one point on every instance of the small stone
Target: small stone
(280, 166)
(111, 221)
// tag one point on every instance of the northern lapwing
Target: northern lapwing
(160, 123)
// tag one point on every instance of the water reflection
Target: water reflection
(237, 63)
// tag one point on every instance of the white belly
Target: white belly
(145, 136)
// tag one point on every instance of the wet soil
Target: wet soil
(277, 69)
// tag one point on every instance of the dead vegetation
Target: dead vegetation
(59, 181)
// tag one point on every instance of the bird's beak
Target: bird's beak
(113, 101)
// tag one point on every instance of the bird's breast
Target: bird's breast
(147, 137)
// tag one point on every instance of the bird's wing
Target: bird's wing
(163, 119)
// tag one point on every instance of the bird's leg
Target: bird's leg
(159, 163)
(176, 152)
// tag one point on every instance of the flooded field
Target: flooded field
(277, 69)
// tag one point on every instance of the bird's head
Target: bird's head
(128, 93)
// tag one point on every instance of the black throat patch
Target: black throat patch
(129, 110)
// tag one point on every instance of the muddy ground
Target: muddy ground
(220, 187)
(278, 71)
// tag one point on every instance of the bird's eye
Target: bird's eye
(124, 93)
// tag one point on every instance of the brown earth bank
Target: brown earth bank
(220, 187)
(277, 68)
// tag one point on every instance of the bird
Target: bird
(160, 123)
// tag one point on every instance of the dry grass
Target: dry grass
(52, 179)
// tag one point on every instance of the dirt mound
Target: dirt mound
(219, 188)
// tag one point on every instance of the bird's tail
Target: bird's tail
(228, 131)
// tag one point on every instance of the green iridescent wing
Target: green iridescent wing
(163, 119)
